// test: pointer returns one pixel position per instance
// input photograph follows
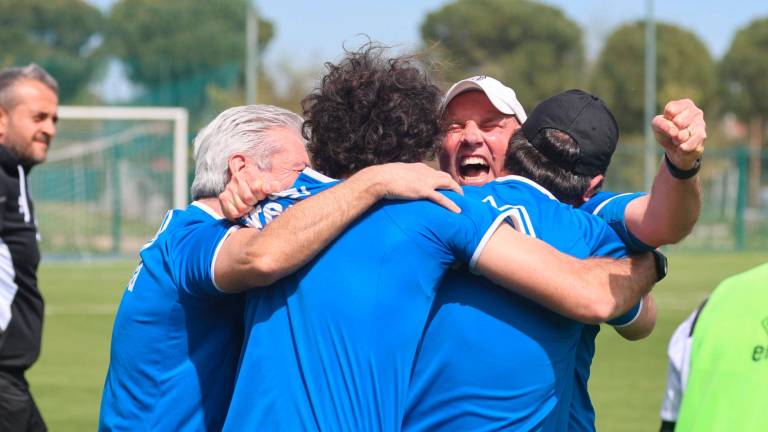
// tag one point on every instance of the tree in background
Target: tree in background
(744, 72)
(296, 81)
(178, 49)
(60, 35)
(685, 69)
(531, 47)
(744, 86)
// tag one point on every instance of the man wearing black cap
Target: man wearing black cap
(566, 146)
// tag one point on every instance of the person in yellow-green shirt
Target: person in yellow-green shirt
(718, 374)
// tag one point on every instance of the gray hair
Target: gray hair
(245, 130)
(10, 76)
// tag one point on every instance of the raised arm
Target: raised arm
(591, 291)
(251, 258)
(671, 209)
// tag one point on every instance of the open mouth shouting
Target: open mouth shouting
(474, 170)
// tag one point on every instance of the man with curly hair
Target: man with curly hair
(371, 110)
(331, 346)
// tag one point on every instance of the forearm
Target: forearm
(672, 208)
(668, 213)
(612, 286)
(590, 291)
(251, 258)
(643, 325)
(299, 234)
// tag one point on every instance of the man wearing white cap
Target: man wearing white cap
(480, 115)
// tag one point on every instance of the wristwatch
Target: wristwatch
(660, 260)
(680, 173)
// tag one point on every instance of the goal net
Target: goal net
(110, 176)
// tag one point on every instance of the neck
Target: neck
(213, 203)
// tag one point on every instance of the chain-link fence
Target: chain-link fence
(734, 213)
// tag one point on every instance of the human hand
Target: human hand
(242, 192)
(681, 131)
(412, 181)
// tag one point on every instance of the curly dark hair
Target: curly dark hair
(371, 110)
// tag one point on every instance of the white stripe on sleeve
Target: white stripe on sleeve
(488, 233)
(216, 254)
(8, 287)
(602, 204)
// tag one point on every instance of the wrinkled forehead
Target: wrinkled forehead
(471, 104)
(291, 142)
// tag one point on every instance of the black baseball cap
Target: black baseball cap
(586, 119)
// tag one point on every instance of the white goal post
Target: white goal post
(180, 120)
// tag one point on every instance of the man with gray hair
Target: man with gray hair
(179, 327)
(28, 105)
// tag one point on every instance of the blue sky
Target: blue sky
(317, 29)
(310, 32)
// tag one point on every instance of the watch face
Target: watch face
(661, 265)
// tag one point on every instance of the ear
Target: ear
(594, 184)
(236, 163)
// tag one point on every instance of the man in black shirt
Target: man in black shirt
(28, 104)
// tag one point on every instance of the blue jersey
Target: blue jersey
(610, 207)
(331, 347)
(308, 183)
(176, 338)
(492, 360)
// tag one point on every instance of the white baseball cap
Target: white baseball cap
(501, 96)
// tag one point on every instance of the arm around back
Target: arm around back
(591, 291)
(252, 258)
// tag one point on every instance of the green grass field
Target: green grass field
(627, 383)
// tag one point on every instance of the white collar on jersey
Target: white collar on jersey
(206, 209)
(317, 176)
(307, 172)
(530, 182)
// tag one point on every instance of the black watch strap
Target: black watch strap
(679, 173)
(660, 260)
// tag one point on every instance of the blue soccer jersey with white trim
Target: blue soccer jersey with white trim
(610, 207)
(176, 338)
(331, 347)
(492, 360)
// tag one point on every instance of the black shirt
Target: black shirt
(21, 305)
